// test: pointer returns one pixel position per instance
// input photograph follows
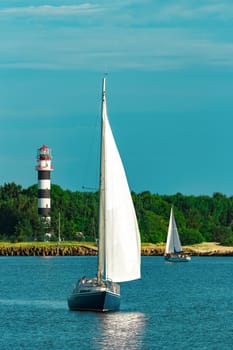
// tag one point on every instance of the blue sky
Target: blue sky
(169, 91)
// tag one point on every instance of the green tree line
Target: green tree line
(199, 218)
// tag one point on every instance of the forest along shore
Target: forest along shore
(202, 249)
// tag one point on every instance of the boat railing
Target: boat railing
(112, 286)
(88, 283)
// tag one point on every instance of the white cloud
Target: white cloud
(47, 10)
(115, 37)
(194, 10)
(129, 13)
(94, 49)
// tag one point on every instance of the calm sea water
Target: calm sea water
(173, 306)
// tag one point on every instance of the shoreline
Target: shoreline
(79, 249)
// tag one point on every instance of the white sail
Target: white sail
(173, 244)
(121, 233)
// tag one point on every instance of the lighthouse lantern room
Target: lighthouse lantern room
(44, 168)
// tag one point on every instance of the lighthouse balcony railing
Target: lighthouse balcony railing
(49, 167)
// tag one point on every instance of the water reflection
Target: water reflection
(121, 330)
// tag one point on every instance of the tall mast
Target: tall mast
(101, 229)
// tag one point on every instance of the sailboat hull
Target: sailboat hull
(177, 258)
(94, 301)
(88, 295)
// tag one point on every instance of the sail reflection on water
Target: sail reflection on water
(121, 330)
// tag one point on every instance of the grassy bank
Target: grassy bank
(89, 248)
(45, 244)
(47, 249)
(205, 248)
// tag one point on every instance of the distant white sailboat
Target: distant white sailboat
(173, 250)
(119, 246)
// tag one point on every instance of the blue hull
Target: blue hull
(94, 301)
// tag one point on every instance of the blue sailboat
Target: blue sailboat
(119, 246)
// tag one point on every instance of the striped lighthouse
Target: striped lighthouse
(44, 168)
